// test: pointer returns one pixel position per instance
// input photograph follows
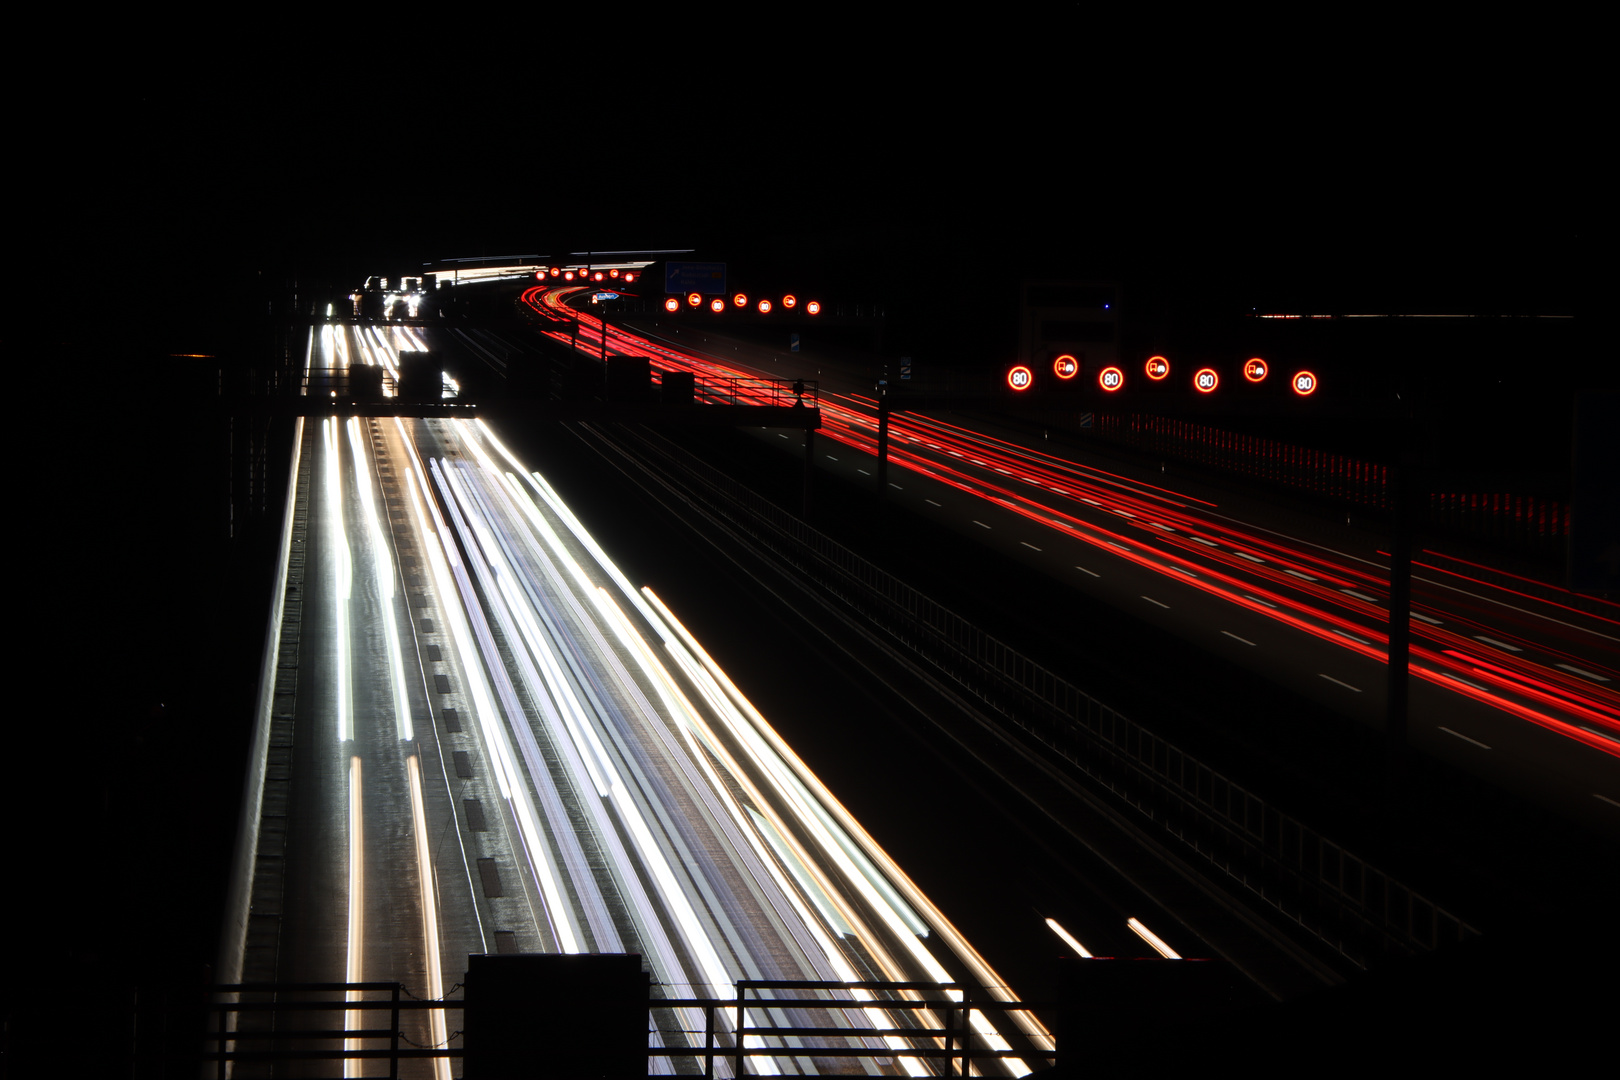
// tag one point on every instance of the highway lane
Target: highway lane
(503, 745)
(1484, 650)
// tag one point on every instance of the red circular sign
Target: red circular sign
(1110, 378)
(671, 304)
(1255, 369)
(764, 307)
(717, 305)
(1020, 378)
(1305, 383)
(1157, 368)
(741, 299)
(789, 300)
(1065, 367)
(694, 299)
(813, 307)
(1206, 380)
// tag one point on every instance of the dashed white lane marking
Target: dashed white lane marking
(1121, 547)
(1126, 513)
(1093, 502)
(1234, 637)
(1182, 570)
(980, 524)
(1465, 738)
(1465, 682)
(1425, 618)
(1352, 637)
(1360, 595)
(1150, 600)
(930, 502)
(896, 487)
(1583, 671)
(1083, 570)
(1060, 491)
(1246, 555)
(779, 435)
(1605, 798)
(1341, 682)
(1029, 545)
(1498, 644)
(1002, 471)
(831, 458)
(1257, 600)
(1302, 577)
(1206, 543)
(1156, 525)
(862, 471)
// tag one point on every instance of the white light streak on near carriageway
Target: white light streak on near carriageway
(485, 502)
(794, 783)
(430, 915)
(354, 1018)
(819, 950)
(444, 563)
(719, 981)
(345, 573)
(383, 564)
(493, 576)
(836, 842)
(542, 867)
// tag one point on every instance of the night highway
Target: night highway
(1514, 679)
(313, 694)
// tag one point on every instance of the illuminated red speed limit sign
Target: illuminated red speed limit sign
(672, 304)
(1065, 367)
(1205, 381)
(1305, 383)
(1255, 369)
(1020, 378)
(1110, 378)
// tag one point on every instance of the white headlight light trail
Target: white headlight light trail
(383, 565)
(837, 832)
(817, 948)
(492, 576)
(344, 571)
(674, 897)
(430, 915)
(542, 864)
(354, 1018)
(445, 566)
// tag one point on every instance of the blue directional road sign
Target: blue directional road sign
(681, 278)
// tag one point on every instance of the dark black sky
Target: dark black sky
(1414, 165)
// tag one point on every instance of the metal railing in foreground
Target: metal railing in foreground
(879, 1024)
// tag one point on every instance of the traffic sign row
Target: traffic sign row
(764, 306)
(1112, 378)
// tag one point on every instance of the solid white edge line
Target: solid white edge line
(1464, 738)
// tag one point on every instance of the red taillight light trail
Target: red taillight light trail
(1316, 578)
